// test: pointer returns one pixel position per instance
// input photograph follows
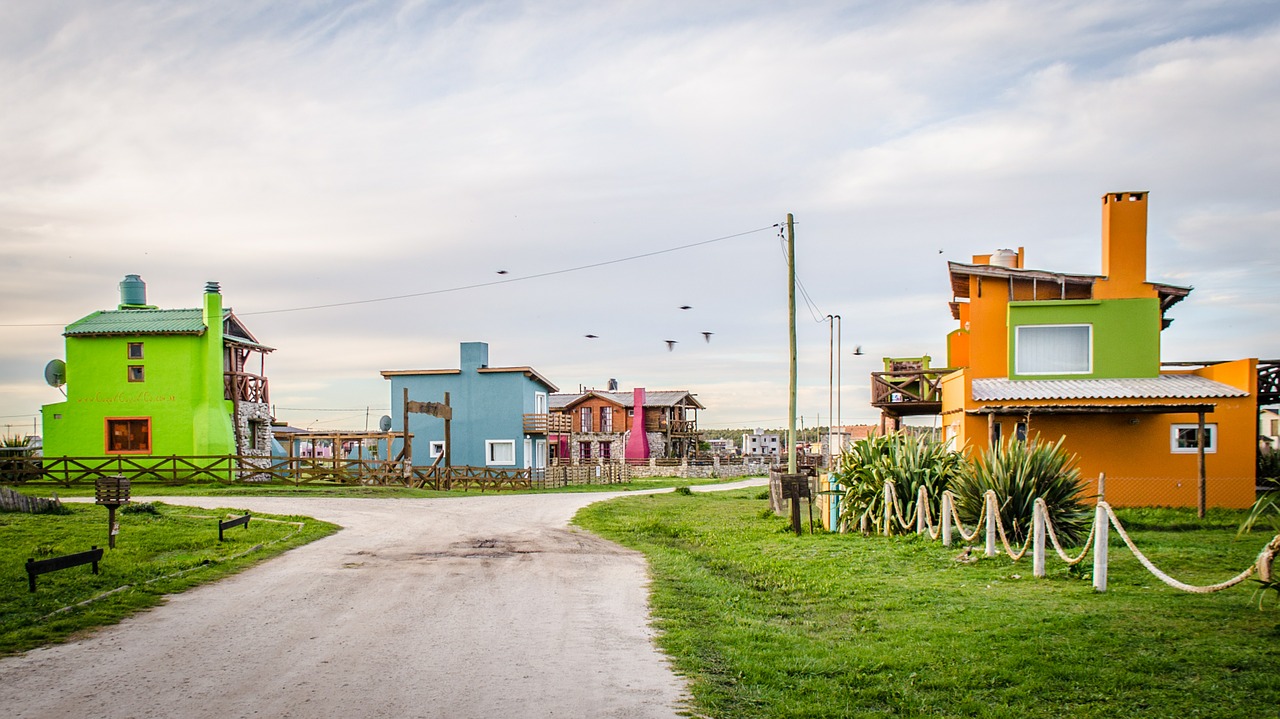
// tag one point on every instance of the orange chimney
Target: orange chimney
(1124, 247)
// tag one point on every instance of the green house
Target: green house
(140, 380)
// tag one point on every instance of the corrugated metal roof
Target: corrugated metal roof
(141, 322)
(1165, 386)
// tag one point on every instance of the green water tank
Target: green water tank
(133, 292)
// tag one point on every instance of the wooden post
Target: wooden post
(408, 453)
(448, 441)
(888, 507)
(791, 312)
(1101, 529)
(991, 431)
(1200, 485)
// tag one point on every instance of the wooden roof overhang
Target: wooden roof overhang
(1095, 408)
(589, 394)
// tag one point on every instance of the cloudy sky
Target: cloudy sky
(619, 160)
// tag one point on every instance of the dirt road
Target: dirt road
(485, 606)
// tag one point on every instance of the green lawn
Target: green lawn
(766, 624)
(156, 554)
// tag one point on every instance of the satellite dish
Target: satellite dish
(55, 373)
(385, 423)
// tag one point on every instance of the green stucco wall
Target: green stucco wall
(1126, 334)
(182, 394)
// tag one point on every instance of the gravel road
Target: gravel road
(482, 606)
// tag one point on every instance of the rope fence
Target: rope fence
(1042, 536)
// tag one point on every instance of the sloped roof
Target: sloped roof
(960, 272)
(529, 372)
(140, 322)
(1165, 386)
(652, 398)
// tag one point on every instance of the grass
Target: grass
(765, 624)
(325, 489)
(160, 550)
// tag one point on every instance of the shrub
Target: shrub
(909, 461)
(1269, 469)
(1019, 473)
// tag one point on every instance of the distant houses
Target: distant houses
(141, 380)
(605, 425)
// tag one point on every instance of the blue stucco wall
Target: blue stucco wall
(486, 406)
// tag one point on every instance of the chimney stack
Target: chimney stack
(1124, 244)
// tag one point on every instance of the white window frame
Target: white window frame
(1211, 438)
(539, 402)
(435, 448)
(1017, 354)
(489, 457)
(606, 419)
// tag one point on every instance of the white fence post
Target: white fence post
(946, 519)
(1101, 527)
(1037, 527)
(922, 503)
(888, 507)
(989, 500)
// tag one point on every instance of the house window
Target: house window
(1182, 438)
(135, 350)
(995, 434)
(128, 435)
(584, 450)
(606, 450)
(1020, 431)
(585, 415)
(606, 419)
(539, 402)
(435, 449)
(1053, 349)
(256, 430)
(136, 373)
(500, 451)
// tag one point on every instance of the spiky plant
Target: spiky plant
(909, 461)
(1020, 472)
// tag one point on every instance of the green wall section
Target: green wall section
(1126, 334)
(182, 393)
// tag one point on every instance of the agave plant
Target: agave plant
(909, 461)
(1020, 472)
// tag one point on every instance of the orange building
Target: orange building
(1078, 356)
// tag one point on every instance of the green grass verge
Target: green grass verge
(765, 624)
(322, 489)
(156, 554)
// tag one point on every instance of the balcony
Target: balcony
(907, 393)
(245, 387)
(548, 424)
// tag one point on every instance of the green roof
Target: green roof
(141, 322)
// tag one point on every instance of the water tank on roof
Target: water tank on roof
(1005, 258)
(133, 291)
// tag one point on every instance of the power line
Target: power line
(477, 285)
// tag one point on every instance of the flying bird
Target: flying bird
(671, 345)
(857, 350)
(591, 337)
(707, 336)
(686, 307)
(502, 272)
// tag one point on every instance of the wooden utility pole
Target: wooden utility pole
(1200, 484)
(791, 317)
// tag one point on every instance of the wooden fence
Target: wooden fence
(173, 470)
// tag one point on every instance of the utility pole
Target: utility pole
(839, 362)
(831, 368)
(791, 317)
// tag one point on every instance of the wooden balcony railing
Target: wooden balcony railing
(907, 392)
(245, 387)
(548, 423)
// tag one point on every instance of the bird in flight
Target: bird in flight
(857, 350)
(502, 272)
(686, 307)
(591, 337)
(707, 336)
(671, 345)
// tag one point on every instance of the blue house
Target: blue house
(500, 417)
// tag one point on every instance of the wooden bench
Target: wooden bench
(230, 523)
(36, 568)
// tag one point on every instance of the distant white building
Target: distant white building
(759, 444)
(721, 446)
(1269, 429)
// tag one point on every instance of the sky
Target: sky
(528, 173)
